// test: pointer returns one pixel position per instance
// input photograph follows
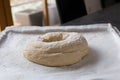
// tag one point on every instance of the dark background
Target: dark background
(108, 3)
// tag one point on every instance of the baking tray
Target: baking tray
(102, 62)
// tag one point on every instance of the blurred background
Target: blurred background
(30, 12)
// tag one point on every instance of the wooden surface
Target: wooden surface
(46, 13)
(5, 14)
(8, 12)
(3, 22)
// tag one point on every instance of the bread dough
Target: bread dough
(57, 49)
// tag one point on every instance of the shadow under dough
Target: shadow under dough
(90, 60)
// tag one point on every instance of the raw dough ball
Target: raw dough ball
(57, 49)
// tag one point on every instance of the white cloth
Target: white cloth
(102, 63)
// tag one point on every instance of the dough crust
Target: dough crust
(57, 49)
